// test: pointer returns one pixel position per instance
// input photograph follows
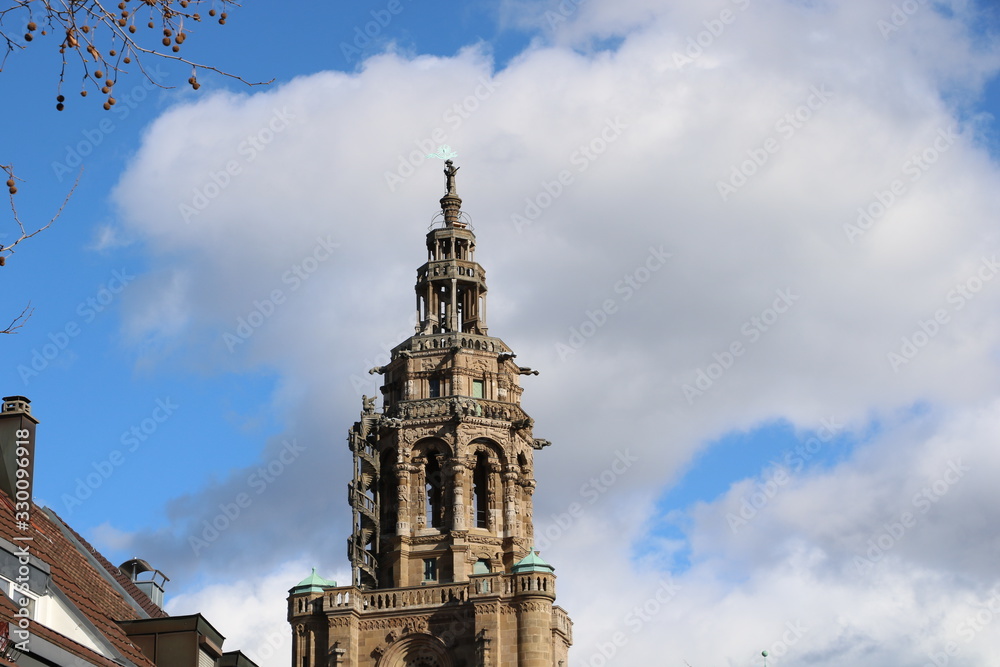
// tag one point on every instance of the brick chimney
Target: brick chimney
(17, 448)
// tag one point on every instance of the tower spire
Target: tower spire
(451, 203)
(443, 571)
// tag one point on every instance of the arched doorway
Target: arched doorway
(416, 650)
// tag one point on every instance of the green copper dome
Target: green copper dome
(532, 563)
(312, 584)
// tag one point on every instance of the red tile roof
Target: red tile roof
(123, 580)
(80, 581)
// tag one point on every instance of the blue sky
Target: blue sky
(808, 112)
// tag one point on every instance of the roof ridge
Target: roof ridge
(138, 596)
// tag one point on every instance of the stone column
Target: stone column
(493, 510)
(453, 315)
(509, 504)
(403, 500)
(419, 512)
(529, 522)
(458, 474)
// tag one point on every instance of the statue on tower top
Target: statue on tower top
(449, 172)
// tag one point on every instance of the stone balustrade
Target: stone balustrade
(468, 408)
(479, 586)
(561, 622)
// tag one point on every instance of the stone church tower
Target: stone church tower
(444, 573)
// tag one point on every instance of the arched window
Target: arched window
(480, 484)
(435, 492)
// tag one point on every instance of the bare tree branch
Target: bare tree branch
(105, 41)
(18, 321)
(24, 234)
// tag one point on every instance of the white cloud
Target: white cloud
(250, 612)
(637, 142)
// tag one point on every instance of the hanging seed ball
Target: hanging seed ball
(60, 98)
(109, 83)
(126, 60)
(105, 90)
(107, 106)
(10, 182)
(131, 28)
(83, 93)
(112, 53)
(28, 37)
(32, 26)
(85, 29)
(166, 41)
(196, 85)
(99, 74)
(167, 32)
(211, 12)
(12, 190)
(175, 48)
(60, 106)
(151, 24)
(112, 101)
